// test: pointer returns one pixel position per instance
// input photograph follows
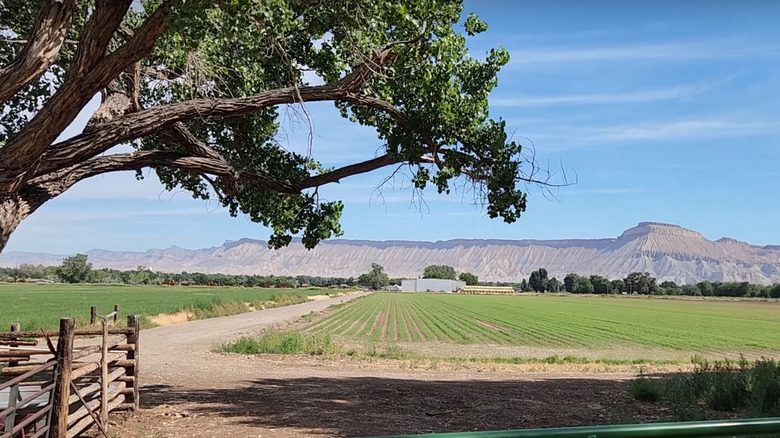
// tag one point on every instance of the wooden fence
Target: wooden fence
(58, 390)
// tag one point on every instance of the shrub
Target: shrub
(390, 351)
(750, 389)
(275, 342)
(645, 389)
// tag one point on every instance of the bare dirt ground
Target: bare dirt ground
(189, 391)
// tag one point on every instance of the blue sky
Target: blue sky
(663, 111)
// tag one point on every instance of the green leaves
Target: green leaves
(250, 46)
(474, 25)
(241, 48)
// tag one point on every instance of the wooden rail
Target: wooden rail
(60, 392)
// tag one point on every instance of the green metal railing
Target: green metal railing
(718, 428)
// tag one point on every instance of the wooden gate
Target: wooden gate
(60, 389)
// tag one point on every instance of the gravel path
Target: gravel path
(168, 351)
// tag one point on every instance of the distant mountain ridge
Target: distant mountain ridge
(669, 252)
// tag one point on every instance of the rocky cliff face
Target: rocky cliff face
(669, 252)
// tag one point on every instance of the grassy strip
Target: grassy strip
(750, 389)
(296, 342)
(219, 306)
(276, 342)
(558, 360)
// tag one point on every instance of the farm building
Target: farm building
(431, 284)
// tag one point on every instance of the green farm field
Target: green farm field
(37, 306)
(567, 324)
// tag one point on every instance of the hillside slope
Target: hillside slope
(669, 252)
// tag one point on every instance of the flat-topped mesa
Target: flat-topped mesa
(668, 252)
(658, 228)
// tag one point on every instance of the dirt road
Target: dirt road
(170, 351)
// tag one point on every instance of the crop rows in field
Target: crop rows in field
(557, 321)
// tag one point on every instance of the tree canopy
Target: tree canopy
(75, 269)
(468, 278)
(439, 271)
(195, 87)
(376, 278)
(538, 280)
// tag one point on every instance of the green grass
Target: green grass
(568, 360)
(558, 322)
(277, 342)
(751, 389)
(37, 306)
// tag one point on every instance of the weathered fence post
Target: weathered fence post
(92, 315)
(134, 322)
(104, 376)
(64, 358)
(13, 395)
(15, 327)
(116, 312)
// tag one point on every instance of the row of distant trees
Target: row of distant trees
(641, 283)
(78, 269)
(376, 278)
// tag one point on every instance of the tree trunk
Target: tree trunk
(14, 208)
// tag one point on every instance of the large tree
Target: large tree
(376, 278)
(538, 280)
(75, 269)
(195, 87)
(468, 278)
(439, 271)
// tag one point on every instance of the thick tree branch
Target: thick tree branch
(346, 171)
(102, 25)
(20, 157)
(142, 42)
(151, 121)
(134, 86)
(42, 48)
(204, 166)
(180, 134)
(139, 160)
(167, 117)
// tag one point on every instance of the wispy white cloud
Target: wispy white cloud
(692, 50)
(690, 129)
(683, 129)
(679, 92)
